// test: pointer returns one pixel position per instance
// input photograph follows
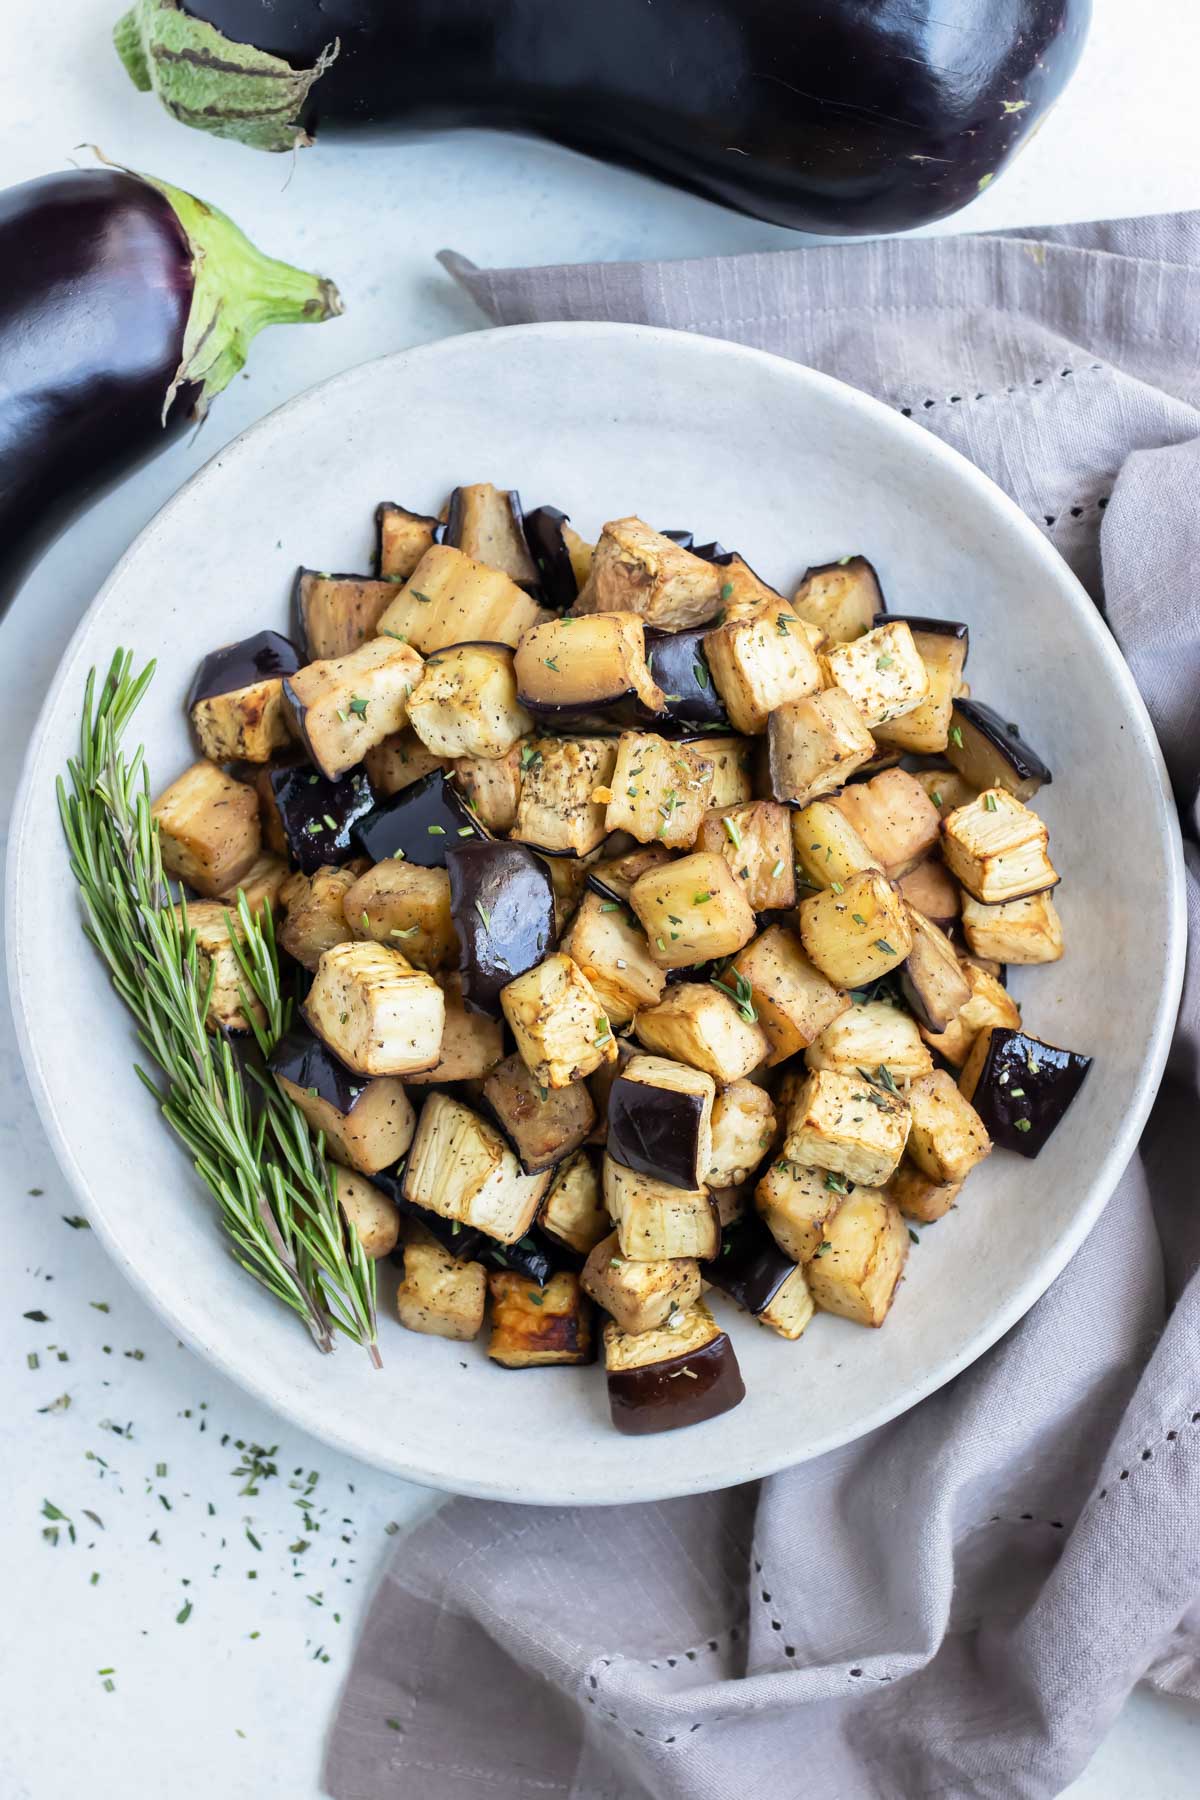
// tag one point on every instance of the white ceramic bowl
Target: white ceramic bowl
(792, 468)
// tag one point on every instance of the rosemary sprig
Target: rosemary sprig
(276, 1194)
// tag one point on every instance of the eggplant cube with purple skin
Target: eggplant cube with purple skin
(660, 790)
(556, 811)
(534, 1327)
(861, 1258)
(460, 1167)
(657, 1222)
(561, 1029)
(814, 744)
(692, 910)
(1021, 1087)
(988, 1003)
(840, 598)
(698, 1023)
(543, 1125)
(732, 760)
(439, 1294)
(1015, 931)
(337, 613)
(344, 706)
(465, 702)
(398, 762)
(997, 848)
(847, 1125)
(640, 1296)
(794, 1002)
(262, 884)
(208, 828)
(404, 537)
(683, 1373)
(925, 731)
(856, 931)
(882, 672)
(947, 1137)
(485, 522)
(932, 979)
(794, 1203)
(761, 662)
(573, 1213)
(636, 569)
(367, 1124)
(377, 1013)
(895, 818)
(472, 1044)
(757, 1275)
(236, 701)
(309, 819)
(502, 906)
(406, 907)
(756, 841)
(989, 752)
(451, 599)
(584, 670)
(316, 915)
(660, 1120)
(491, 786)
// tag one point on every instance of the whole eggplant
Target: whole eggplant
(125, 307)
(845, 116)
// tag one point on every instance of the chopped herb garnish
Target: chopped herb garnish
(701, 899)
(777, 871)
(358, 706)
(742, 995)
(1022, 1125)
(535, 1298)
(989, 803)
(936, 797)
(484, 915)
(701, 674)
(781, 624)
(732, 832)
(836, 1184)
(610, 906)
(955, 736)
(882, 944)
(836, 887)
(184, 1613)
(38, 1317)
(858, 918)
(404, 931)
(75, 1221)
(913, 1236)
(727, 590)
(423, 598)
(436, 830)
(550, 663)
(884, 662)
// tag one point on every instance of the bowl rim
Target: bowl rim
(301, 1409)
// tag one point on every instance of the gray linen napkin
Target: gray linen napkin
(959, 1603)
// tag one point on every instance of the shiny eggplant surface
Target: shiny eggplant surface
(420, 823)
(657, 1131)
(548, 547)
(502, 904)
(751, 1268)
(990, 751)
(677, 1391)
(301, 1058)
(317, 815)
(234, 666)
(680, 667)
(1024, 1089)
(851, 116)
(462, 1241)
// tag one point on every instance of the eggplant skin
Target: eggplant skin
(93, 311)
(854, 116)
(661, 1397)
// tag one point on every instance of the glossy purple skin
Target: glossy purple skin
(851, 116)
(1025, 761)
(465, 1242)
(235, 666)
(951, 628)
(659, 1398)
(680, 667)
(1025, 1088)
(424, 820)
(502, 904)
(307, 801)
(304, 1060)
(544, 535)
(656, 1131)
(93, 308)
(751, 1268)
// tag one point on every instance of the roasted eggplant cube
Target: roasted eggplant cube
(932, 890)
(343, 706)
(793, 1000)
(895, 818)
(407, 908)
(988, 1003)
(942, 646)
(840, 598)
(680, 669)
(400, 760)
(989, 752)
(548, 534)
(315, 907)
(856, 935)
(882, 672)
(417, 825)
(640, 1296)
(262, 884)
(533, 1327)
(636, 569)
(568, 877)
(461, 1168)
(947, 1137)
(371, 1214)
(660, 1120)
(997, 848)
(828, 846)
(1016, 931)
(794, 1203)
(368, 1125)
(932, 979)
(756, 1275)
(439, 1294)
(561, 1029)
(208, 829)
(847, 1125)
(235, 702)
(465, 702)
(756, 841)
(543, 1125)
(486, 523)
(743, 1130)
(310, 819)
(588, 672)
(759, 663)
(451, 599)
(218, 971)
(660, 790)
(613, 953)
(919, 1196)
(946, 788)
(681, 1374)
(472, 1044)
(377, 1013)
(700, 1024)
(502, 904)
(1020, 1087)
(404, 537)
(732, 760)
(491, 786)
(573, 1213)
(556, 812)
(856, 1271)
(872, 1035)
(656, 1221)
(612, 877)
(693, 910)
(814, 744)
(743, 592)
(337, 613)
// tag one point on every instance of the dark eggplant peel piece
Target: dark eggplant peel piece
(660, 1120)
(1021, 1087)
(545, 533)
(420, 823)
(989, 751)
(843, 599)
(681, 1374)
(309, 818)
(502, 904)
(757, 1275)
(368, 1124)
(680, 668)
(235, 702)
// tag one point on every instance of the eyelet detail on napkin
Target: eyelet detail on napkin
(1147, 1455)
(1037, 381)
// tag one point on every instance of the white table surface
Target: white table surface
(234, 1700)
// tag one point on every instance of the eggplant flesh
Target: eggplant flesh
(319, 815)
(679, 666)
(543, 1125)
(502, 904)
(1025, 1088)
(420, 823)
(990, 751)
(486, 523)
(657, 1131)
(262, 657)
(751, 1268)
